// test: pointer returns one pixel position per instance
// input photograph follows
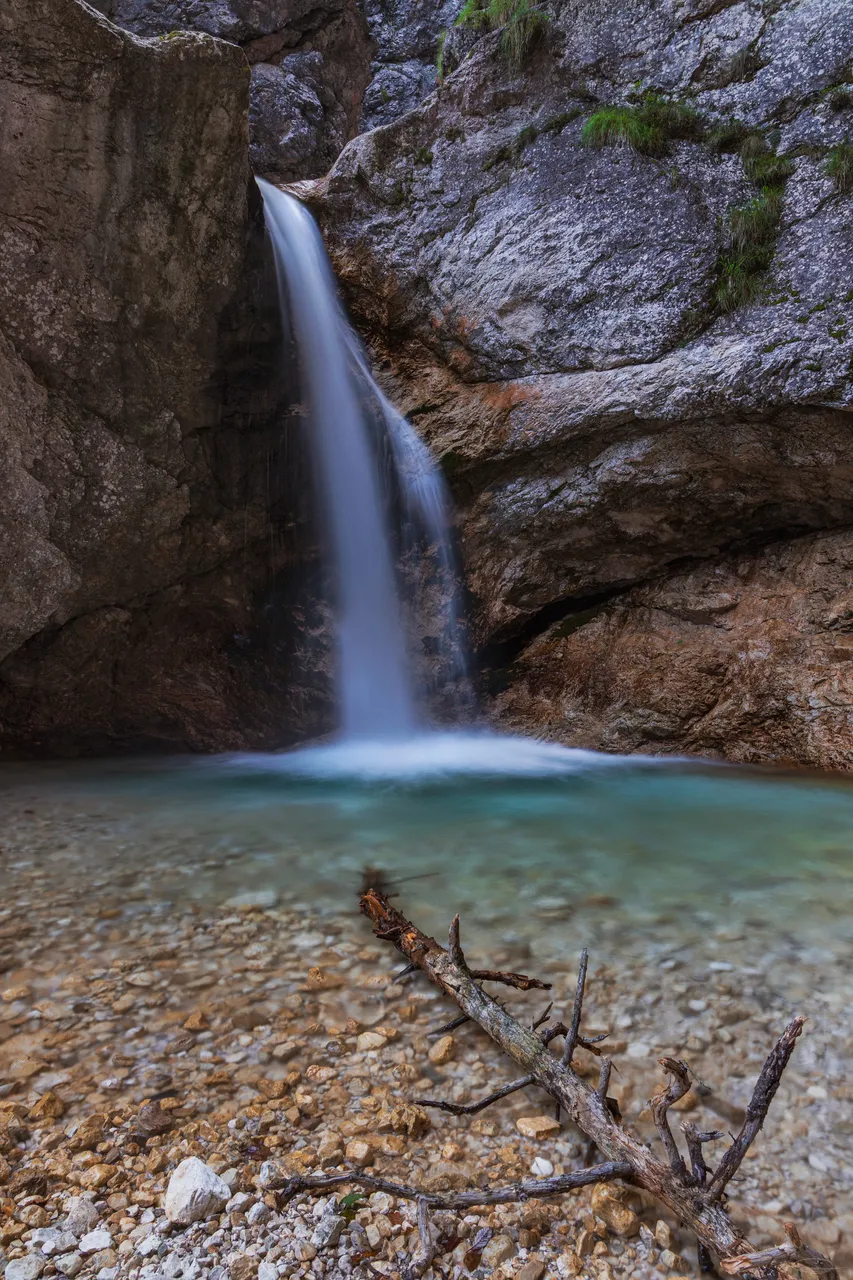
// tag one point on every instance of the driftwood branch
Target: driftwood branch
(473, 1108)
(679, 1085)
(793, 1251)
(697, 1203)
(532, 1189)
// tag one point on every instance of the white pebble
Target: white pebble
(541, 1168)
(194, 1193)
(94, 1241)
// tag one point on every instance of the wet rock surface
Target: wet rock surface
(142, 422)
(546, 312)
(242, 1028)
(747, 658)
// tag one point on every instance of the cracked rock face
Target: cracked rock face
(747, 657)
(137, 436)
(310, 67)
(545, 312)
(406, 35)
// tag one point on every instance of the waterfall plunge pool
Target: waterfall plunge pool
(507, 831)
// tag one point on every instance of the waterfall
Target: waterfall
(376, 672)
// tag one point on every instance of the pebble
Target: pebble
(194, 1192)
(441, 1051)
(359, 1153)
(69, 1264)
(533, 1269)
(94, 1241)
(253, 900)
(541, 1168)
(369, 1040)
(80, 1215)
(499, 1249)
(328, 1230)
(537, 1127)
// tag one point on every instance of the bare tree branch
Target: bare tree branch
(793, 1251)
(460, 1109)
(532, 1189)
(756, 1113)
(699, 1207)
(680, 1082)
(577, 1009)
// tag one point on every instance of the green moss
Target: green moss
(839, 166)
(751, 240)
(767, 169)
(647, 128)
(439, 60)
(520, 22)
(728, 136)
(423, 156)
(528, 135)
(840, 100)
(556, 124)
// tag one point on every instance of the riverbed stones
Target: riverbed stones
(194, 1192)
(499, 1249)
(256, 1122)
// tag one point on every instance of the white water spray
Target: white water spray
(375, 675)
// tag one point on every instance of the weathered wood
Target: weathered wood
(702, 1211)
(532, 1189)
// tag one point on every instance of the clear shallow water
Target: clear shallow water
(509, 832)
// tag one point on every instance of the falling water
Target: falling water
(375, 672)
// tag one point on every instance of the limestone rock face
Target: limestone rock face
(406, 36)
(548, 314)
(748, 657)
(136, 479)
(310, 66)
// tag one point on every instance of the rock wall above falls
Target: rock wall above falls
(139, 430)
(630, 354)
(310, 67)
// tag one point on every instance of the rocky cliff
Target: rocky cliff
(136, 418)
(604, 264)
(613, 286)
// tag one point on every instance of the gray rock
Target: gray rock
(548, 308)
(328, 1230)
(194, 1192)
(29, 1268)
(406, 35)
(94, 1241)
(69, 1264)
(125, 311)
(80, 1215)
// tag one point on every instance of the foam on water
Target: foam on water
(433, 755)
